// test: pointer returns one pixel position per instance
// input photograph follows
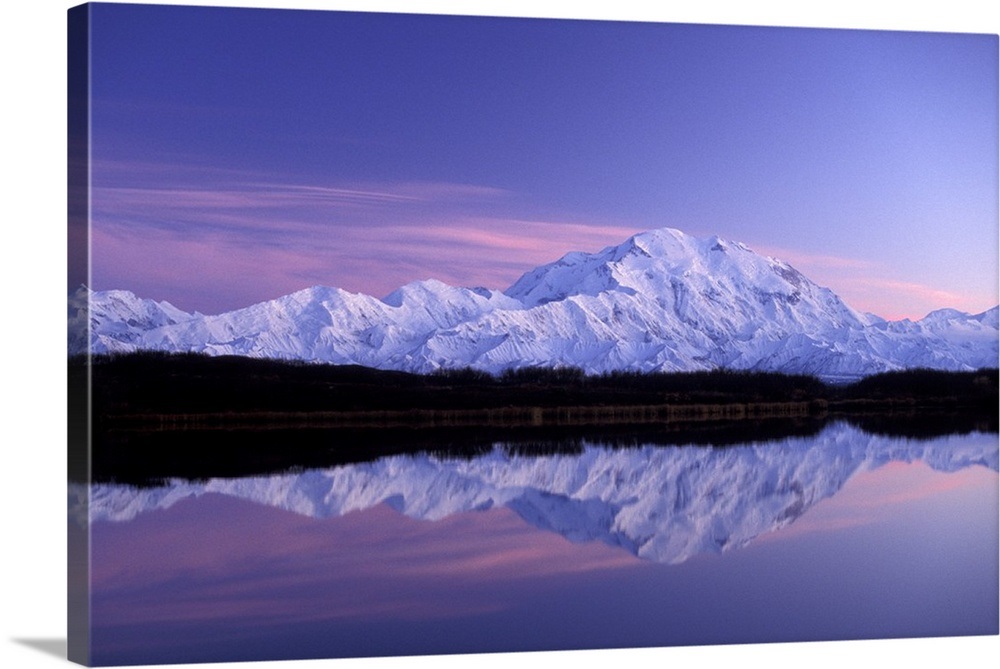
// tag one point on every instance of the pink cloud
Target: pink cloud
(813, 260)
(870, 287)
(467, 252)
(245, 240)
(214, 239)
(239, 252)
(925, 293)
(208, 273)
(895, 299)
(554, 238)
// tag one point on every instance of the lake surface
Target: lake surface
(842, 535)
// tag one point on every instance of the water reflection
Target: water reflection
(663, 504)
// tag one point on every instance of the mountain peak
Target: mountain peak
(660, 263)
(420, 290)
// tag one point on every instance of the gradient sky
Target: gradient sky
(242, 154)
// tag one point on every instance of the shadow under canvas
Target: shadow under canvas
(54, 647)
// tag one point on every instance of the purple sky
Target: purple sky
(243, 154)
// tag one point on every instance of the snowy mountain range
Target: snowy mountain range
(661, 300)
(664, 504)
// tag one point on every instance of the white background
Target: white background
(32, 332)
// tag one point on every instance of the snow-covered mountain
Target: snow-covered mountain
(661, 300)
(118, 320)
(664, 504)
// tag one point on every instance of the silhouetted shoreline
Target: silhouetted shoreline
(158, 416)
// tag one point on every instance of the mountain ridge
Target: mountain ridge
(659, 301)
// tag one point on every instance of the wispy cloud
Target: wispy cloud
(895, 299)
(925, 293)
(242, 240)
(522, 241)
(251, 201)
(813, 261)
(876, 287)
(192, 196)
(213, 271)
(214, 239)
(490, 252)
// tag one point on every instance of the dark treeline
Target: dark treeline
(161, 383)
(158, 415)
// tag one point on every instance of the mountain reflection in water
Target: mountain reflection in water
(663, 504)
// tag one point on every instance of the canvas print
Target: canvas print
(405, 334)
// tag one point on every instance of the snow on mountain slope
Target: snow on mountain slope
(118, 320)
(315, 323)
(665, 301)
(661, 300)
(709, 284)
(943, 339)
(664, 504)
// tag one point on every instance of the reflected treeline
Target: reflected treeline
(923, 424)
(141, 457)
(661, 503)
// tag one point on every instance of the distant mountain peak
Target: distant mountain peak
(425, 289)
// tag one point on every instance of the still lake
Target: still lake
(840, 535)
